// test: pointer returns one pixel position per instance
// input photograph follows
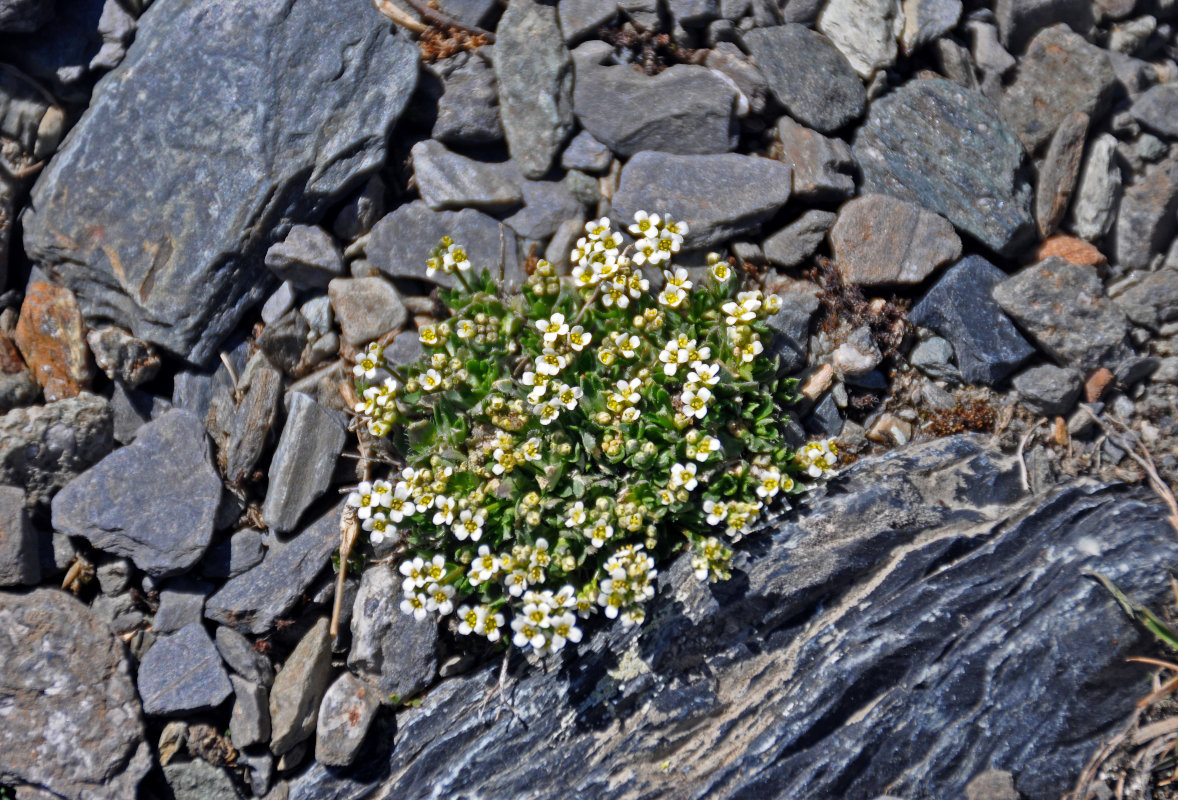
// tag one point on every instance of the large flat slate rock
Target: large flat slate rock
(72, 723)
(226, 123)
(919, 622)
(946, 148)
(154, 502)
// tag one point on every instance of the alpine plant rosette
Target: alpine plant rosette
(561, 443)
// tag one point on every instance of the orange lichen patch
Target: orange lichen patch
(51, 336)
(1072, 250)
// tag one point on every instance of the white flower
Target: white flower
(369, 363)
(646, 225)
(455, 257)
(484, 567)
(769, 481)
(678, 278)
(707, 446)
(431, 380)
(548, 411)
(531, 449)
(706, 374)
(576, 516)
(415, 573)
(538, 382)
(579, 337)
(550, 362)
(721, 272)
(469, 525)
(627, 346)
(516, 581)
(597, 229)
(471, 619)
(695, 401)
(564, 629)
(717, 512)
(440, 598)
(772, 304)
(415, 604)
(446, 507)
(399, 504)
(568, 395)
(362, 500)
(465, 329)
(553, 328)
(600, 533)
(646, 250)
(672, 296)
(683, 475)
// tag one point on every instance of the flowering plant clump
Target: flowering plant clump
(561, 443)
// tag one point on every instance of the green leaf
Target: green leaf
(1139, 613)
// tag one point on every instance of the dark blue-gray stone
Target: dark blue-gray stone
(181, 673)
(808, 75)
(234, 555)
(226, 123)
(1157, 109)
(304, 461)
(945, 147)
(959, 307)
(182, 603)
(154, 501)
(253, 600)
(915, 623)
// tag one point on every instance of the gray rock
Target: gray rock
(20, 561)
(934, 357)
(243, 658)
(468, 107)
(1064, 309)
(1059, 75)
(298, 690)
(182, 673)
(200, 780)
(1019, 20)
(1098, 191)
(252, 601)
(342, 80)
(926, 21)
(390, 649)
(945, 148)
(154, 502)
(234, 555)
(797, 241)
(535, 77)
(367, 308)
(1048, 390)
(42, 448)
(307, 258)
(59, 55)
(123, 357)
(742, 192)
(1152, 301)
(469, 12)
(1058, 172)
(253, 419)
(304, 461)
(114, 576)
(959, 307)
(879, 239)
(858, 355)
(821, 165)
(643, 13)
(547, 205)
(284, 341)
(132, 410)
(580, 18)
(193, 391)
(923, 546)
(685, 109)
(448, 180)
(260, 770)
(808, 75)
(72, 720)
(865, 31)
(249, 724)
(1157, 109)
(182, 603)
(400, 243)
(586, 153)
(120, 612)
(994, 784)
(361, 212)
(728, 59)
(1147, 216)
(24, 16)
(791, 329)
(693, 13)
(561, 245)
(348, 710)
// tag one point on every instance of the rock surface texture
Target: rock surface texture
(919, 623)
(288, 111)
(72, 723)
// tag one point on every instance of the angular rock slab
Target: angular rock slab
(154, 502)
(183, 672)
(72, 723)
(718, 196)
(944, 147)
(253, 600)
(917, 624)
(225, 122)
(878, 239)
